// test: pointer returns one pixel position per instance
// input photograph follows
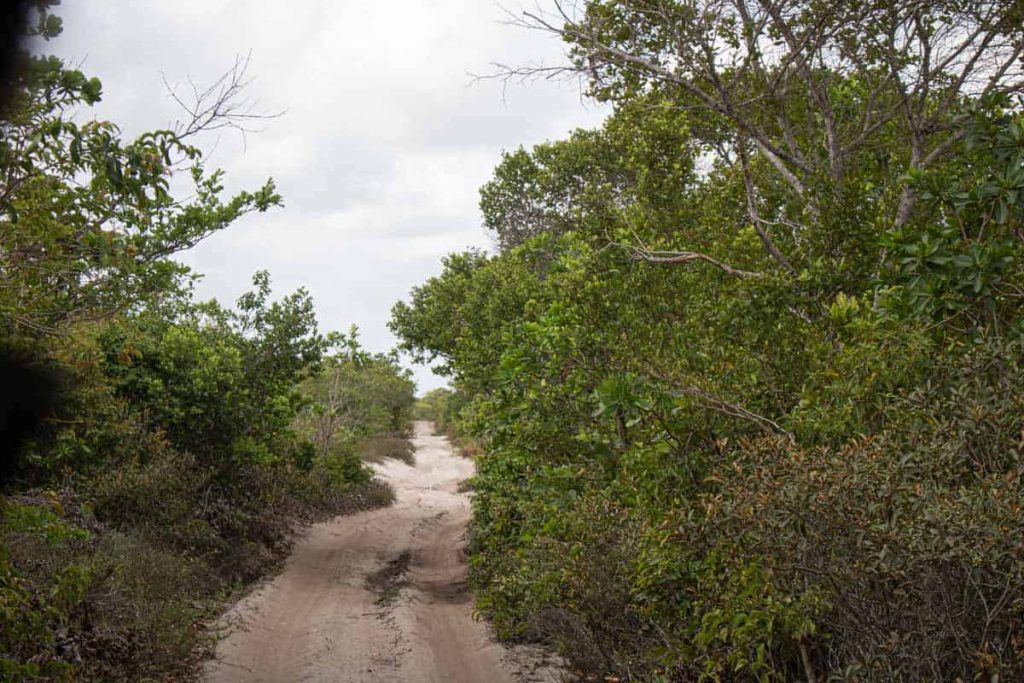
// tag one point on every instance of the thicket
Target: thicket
(178, 460)
(432, 407)
(362, 404)
(441, 406)
(746, 371)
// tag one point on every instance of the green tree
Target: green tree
(87, 220)
(697, 369)
(356, 395)
(220, 384)
(800, 98)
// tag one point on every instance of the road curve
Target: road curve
(379, 596)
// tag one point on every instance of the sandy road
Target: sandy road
(378, 596)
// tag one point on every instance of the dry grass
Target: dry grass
(467, 448)
(379, 448)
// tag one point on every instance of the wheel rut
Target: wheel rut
(380, 596)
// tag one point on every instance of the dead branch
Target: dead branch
(222, 105)
(720, 405)
(681, 257)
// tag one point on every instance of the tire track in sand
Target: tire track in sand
(379, 596)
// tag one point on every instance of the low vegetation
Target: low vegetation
(183, 452)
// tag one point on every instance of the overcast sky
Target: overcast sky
(381, 151)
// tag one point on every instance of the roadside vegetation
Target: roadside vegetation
(362, 404)
(436, 406)
(746, 370)
(441, 407)
(186, 446)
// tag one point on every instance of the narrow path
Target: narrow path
(379, 596)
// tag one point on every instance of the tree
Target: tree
(221, 383)
(87, 221)
(797, 94)
(743, 469)
(356, 394)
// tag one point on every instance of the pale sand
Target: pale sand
(377, 596)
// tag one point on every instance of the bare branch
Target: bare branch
(719, 101)
(221, 105)
(720, 405)
(816, 88)
(755, 216)
(681, 257)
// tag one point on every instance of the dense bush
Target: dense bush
(180, 474)
(91, 605)
(746, 370)
(175, 467)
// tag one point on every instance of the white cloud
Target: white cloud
(384, 143)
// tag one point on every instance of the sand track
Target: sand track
(379, 596)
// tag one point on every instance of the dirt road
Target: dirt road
(378, 596)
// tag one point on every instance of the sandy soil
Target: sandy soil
(377, 596)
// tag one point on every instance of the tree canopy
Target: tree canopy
(743, 371)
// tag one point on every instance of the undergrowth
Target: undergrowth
(119, 578)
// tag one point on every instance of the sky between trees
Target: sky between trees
(382, 145)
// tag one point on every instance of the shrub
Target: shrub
(894, 557)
